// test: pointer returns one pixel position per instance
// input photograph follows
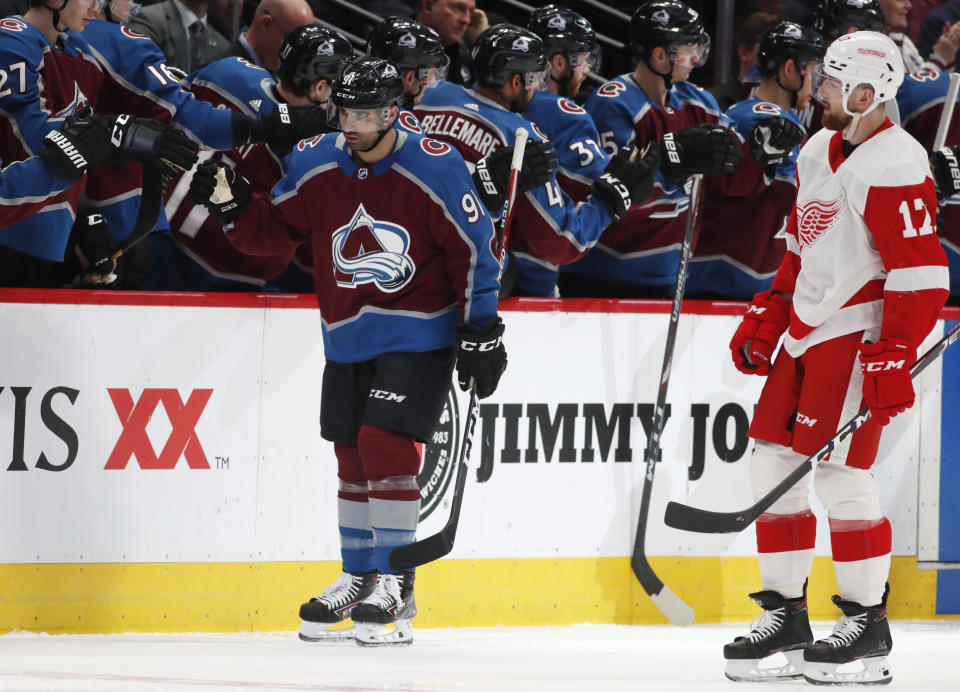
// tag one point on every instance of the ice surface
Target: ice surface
(926, 656)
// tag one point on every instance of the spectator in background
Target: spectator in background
(273, 20)
(181, 30)
(918, 14)
(220, 16)
(747, 42)
(943, 55)
(933, 25)
(459, 23)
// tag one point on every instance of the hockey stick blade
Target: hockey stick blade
(666, 601)
(687, 518)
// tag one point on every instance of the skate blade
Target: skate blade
(865, 671)
(326, 632)
(783, 666)
(399, 633)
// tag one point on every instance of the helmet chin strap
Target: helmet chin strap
(56, 13)
(667, 77)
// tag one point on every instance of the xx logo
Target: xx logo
(183, 418)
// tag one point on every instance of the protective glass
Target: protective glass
(691, 54)
(429, 75)
(358, 120)
(824, 87)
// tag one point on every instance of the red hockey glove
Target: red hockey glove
(887, 387)
(755, 340)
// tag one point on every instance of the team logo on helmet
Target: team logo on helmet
(557, 22)
(368, 251)
(407, 41)
(661, 17)
(325, 48)
(793, 32)
(389, 71)
(816, 218)
(522, 44)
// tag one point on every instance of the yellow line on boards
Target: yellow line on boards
(265, 596)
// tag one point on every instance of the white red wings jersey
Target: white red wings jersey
(862, 247)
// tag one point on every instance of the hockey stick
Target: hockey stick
(947, 112)
(686, 518)
(668, 602)
(405, 557)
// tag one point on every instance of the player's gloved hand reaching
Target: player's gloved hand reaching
(282, 127)
(492, 174)
(774, 138)
(945, 164)
(481, 357)
(223, 191)
(755, 340)
(79, 142)
(887, 386)
(149, 141)
(93, 247)
(703, 148)
(627, 180)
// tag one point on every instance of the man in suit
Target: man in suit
(274, 19)
(180, 29)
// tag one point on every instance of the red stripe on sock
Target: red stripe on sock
(778, 533)
(849, 546)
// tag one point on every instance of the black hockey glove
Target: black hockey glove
(481, 357)
(945, 164)
(93, 247)
(492, 175)
(146, 141)
(283, 127)
(79, 142)
(222, 190)
(774, 138)
(703, 148)
(626, 180)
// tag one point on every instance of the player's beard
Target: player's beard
(835, 122)
(365, 141)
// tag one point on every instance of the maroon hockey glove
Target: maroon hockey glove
(774, 138)
(627, 180)
(755, 340)
(79, 142)
(223, 191)
(492, 175)
(481, 357)
(887, 386)
(945, 164)
(703, 148)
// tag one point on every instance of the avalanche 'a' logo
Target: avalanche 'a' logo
(816, 218)
(370, 251)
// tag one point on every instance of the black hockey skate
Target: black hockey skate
(782, 628)
(319, 615)
(860, 638)
(391, 603)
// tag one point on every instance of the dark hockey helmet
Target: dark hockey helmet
(365, 83)
(383, 28)
(411, 46)
(504, 49)
(667, 23)
(566, 32)
(789, 41)
(311, 52)
(834, 18)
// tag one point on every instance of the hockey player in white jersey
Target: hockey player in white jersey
(861, 285)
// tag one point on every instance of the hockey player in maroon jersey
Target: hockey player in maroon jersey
(638, 255)
(861, 285)
(194, 255)
(737, 253)
(406, 280)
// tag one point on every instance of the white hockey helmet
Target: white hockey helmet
(863, 57)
